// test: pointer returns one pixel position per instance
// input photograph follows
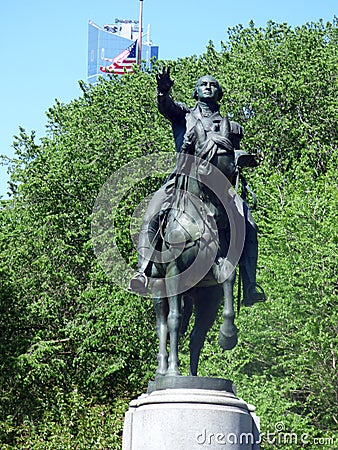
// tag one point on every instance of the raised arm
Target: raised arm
(175, 112)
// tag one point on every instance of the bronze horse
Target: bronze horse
(202, 237)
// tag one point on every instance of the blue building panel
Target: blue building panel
(154, 52)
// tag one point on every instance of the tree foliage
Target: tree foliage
(75, 348)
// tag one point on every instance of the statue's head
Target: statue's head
(207, 88)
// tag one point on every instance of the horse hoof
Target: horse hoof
(173, 373)
(162, 365)
(227, 342)
(160, 373)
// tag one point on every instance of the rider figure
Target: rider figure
(183, 119)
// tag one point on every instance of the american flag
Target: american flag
(123, 61)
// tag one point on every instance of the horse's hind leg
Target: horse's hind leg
(227, 337)
(187, 308)
(206, 306)
(161, 310)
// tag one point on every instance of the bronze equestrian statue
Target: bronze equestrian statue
(200, 226)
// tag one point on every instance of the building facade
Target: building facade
(109, 41)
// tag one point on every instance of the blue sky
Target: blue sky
(44, 45)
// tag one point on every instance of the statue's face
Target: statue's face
(207, 89)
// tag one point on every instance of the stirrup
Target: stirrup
(252, 296)
(139, 284)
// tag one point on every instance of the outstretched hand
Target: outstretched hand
(164, 82)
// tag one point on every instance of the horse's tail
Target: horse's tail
(187, 307)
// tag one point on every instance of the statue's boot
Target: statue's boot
(139, 282)
(252, 292)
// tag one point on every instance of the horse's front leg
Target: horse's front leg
(174, 325)
(227, 337)
(174, 318)
(161, 310)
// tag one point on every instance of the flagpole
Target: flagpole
(140, 35)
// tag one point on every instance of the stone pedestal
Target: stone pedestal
(180, 418)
